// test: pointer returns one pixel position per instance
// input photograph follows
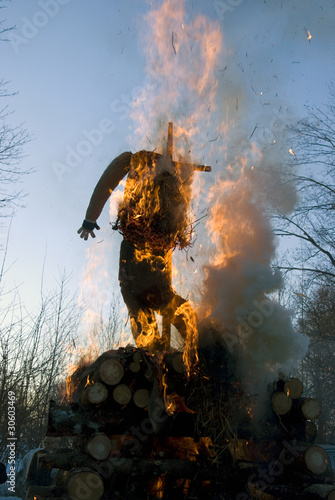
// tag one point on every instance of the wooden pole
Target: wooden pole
(170, 141)
(166, 324)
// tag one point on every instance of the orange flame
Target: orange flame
(88, 381)
(149, 333)
(156, 487)
(190, 355)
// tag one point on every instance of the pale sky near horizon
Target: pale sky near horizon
(77, 66)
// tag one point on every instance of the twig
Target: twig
(252, 133)
(173, 33)
(213, 140)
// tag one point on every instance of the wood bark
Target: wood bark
(53, 443)
(129, 466)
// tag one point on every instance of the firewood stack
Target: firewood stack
(117, 434)
(136, 427)
(280, 460)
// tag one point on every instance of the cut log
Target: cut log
(137, 357)
(52, 443)
(134, 367)
(141, 398)
(128, 466)
(83, 483)
(316, 459)
(122, 394)
(311, 408)
(281, 403)
(98, 446)
(94, 394)
(293, 388)
(111, 371)
(65, 460)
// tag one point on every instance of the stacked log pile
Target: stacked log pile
(136, 427)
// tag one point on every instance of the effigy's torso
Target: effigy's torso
(154, 212)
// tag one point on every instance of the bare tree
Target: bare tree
(312, 224)
(33, 360)
(317, 320)
(12, 141)
(36, 349)
(3, 28)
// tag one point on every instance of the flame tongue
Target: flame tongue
(181, 59)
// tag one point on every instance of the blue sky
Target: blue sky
(77, 65)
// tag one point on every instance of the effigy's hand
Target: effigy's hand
(87, 229)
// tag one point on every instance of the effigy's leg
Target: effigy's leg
(181, 315)
(133, 278)
(143, 322)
